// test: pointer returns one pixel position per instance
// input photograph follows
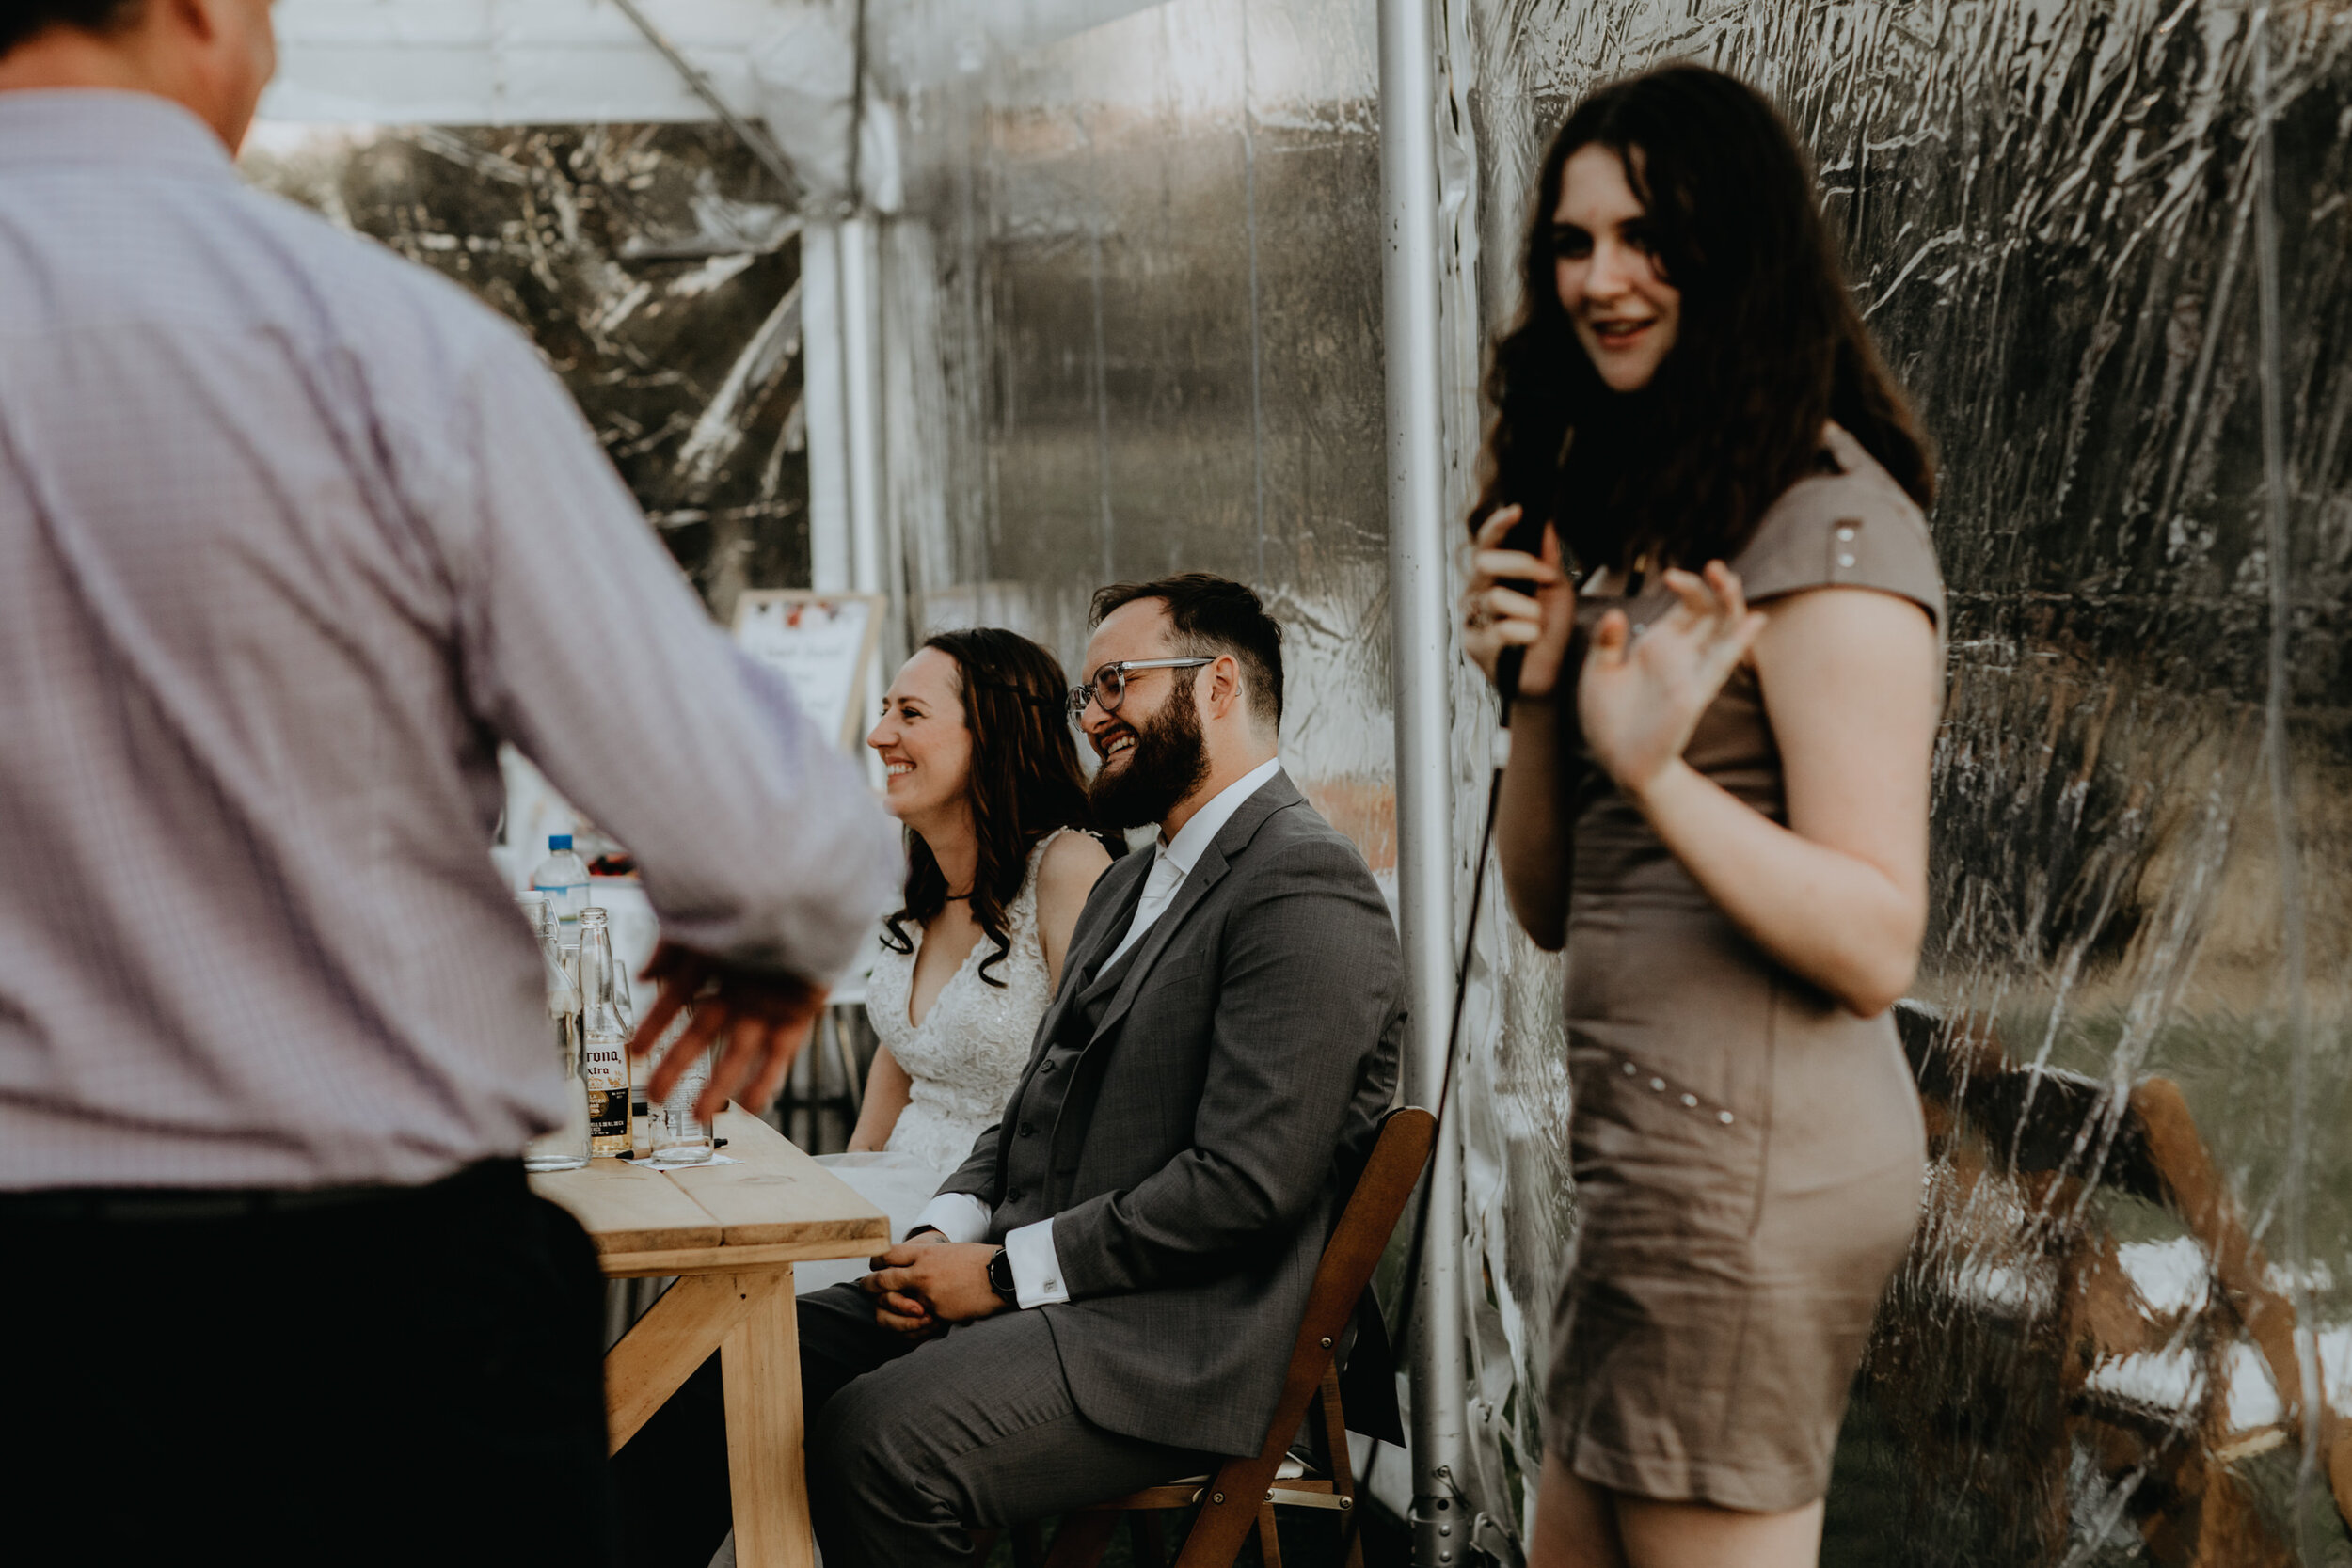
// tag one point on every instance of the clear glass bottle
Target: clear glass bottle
(566, 1147)
(604, 1037)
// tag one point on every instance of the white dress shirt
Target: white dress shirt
(960, 1216)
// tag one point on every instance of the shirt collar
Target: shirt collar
(1184, 851)
(99, 125)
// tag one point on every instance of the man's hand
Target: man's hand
(942, 1282)
(894, 1309)
(764, 1020)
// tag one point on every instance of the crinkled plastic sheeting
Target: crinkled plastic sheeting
(2126, 1328)
(1149, 256)
(1132, 319)
(1134, 323)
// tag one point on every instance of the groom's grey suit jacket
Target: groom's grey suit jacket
(1191, 1115)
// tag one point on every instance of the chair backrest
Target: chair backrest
(1406, 1136)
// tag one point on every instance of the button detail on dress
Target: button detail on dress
(1845, 531)
(1628, 1069)
(1845, 560)
(1690, 1099)
(1723, 1116)
(1658, 1085)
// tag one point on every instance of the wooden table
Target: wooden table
(731, 1234)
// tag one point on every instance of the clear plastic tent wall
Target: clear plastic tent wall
(1132, 315)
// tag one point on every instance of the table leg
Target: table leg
(760, 1363)
(663, 1348)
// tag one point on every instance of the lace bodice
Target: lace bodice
(968, 1054)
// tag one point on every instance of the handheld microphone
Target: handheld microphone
(1526, 536)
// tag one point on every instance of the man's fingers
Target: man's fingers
(667, 1003)
(678, 973)
(742, 1058)
(710, 1014)
(786, 1043)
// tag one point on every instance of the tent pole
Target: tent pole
(1418, 597)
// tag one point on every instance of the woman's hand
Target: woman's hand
(1639, 701)
(1495, 617)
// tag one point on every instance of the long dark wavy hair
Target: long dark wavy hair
(1768, 346)
(1024, 781)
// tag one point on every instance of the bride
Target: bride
(984, 774)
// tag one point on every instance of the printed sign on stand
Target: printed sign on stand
(823, 643)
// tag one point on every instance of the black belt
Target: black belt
(153, 1204)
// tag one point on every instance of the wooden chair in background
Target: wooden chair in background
(1243, 1492)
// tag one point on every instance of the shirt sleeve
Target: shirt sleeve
(582, 643)
(958, 1216)
(1036, 1267)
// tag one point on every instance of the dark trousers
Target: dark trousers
(407, 1378)
(909, 1446)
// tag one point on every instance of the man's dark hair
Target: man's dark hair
(1214, 615)
(20, 19)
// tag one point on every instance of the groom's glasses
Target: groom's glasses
(1109, 687)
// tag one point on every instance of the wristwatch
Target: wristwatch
(1000, 1278)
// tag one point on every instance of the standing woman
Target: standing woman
(1720, 811)
(981, 767)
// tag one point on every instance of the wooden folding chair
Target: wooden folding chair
(1243, 1492)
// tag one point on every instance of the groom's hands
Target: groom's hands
(894, 1309)
(927, 1281)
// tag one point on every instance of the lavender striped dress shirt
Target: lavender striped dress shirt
(293, 533)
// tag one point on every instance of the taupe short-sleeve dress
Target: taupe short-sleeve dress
(1747, 1154)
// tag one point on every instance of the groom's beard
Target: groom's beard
(1167, 763)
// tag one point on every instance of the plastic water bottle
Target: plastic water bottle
(564, 878)
(604, 1037)
(566, 1147)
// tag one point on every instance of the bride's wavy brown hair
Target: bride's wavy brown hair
(1768, 348)
(1024, 781)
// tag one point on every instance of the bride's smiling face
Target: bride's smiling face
(925, 747)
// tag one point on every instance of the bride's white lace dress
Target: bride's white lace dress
(962, 1061)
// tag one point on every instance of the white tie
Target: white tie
(1159, 888)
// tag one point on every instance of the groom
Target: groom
(1105, 1297)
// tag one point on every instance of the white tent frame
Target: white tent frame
(477, 62)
